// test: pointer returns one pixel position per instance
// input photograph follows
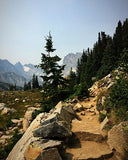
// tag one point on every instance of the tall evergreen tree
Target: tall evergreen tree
(117, 41)
(34, 81)
(78, 71)
(125, 34)
(53, 80)
(72, 79)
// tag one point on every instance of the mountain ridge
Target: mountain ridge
(17, 74)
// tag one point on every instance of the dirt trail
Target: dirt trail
(88, 141)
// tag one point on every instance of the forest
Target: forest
(108, 53)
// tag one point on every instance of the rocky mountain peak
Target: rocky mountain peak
(70, 61)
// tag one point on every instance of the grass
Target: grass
(9, 97)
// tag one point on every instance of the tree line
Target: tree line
(32, 84)
(103, 58)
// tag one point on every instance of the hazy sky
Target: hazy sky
(74, 25)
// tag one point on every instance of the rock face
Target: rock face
(118, 140)
(70, 61)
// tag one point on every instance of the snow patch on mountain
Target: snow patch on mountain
(26, 69)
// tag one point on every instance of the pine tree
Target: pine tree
(49, 44)
(124, 61)
(34, 81)
(29, 85)
(78, 71)
(72, 79)
(125, 34)
(117, 41)
(53, 80)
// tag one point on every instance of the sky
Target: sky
(74, 26)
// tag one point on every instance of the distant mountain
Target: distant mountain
(70, 60)
(6, 66)
(20, 68)
(18, 74)
(12, 78)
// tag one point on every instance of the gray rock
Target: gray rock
(28, 117)
(60, 104)
(66, 112)
(38, 146)
(63, 113)
(49, 154)
(2, 106)
(46, 143)
(118, 139)
(7, 110)
(56, 129)
(20, 147)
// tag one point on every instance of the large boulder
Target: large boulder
(2, 106)
(5, 110)
(54, 130)
(38, 147)
(49, 154)
(66, 113)
(17, 122)
(50, 126)
(118, 140)
(20, 147)
(28, 117)
(58, 124)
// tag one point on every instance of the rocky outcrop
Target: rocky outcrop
(28, 117)
(41, 148)
(20, 147)
(5, 110)
(45, 128)
(57, 125)
(49, 154)
(118, 140)
(17, 122)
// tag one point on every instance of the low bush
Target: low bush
(101, 117)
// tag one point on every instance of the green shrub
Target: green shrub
(81, 90)
(9, 123)
(14, 140)
(118, 99)
(101, 117)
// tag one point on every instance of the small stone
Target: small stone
(83, 113)
(78, 107)
(24, 101)
(26, 106)
(16, 99)
(1, 133)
